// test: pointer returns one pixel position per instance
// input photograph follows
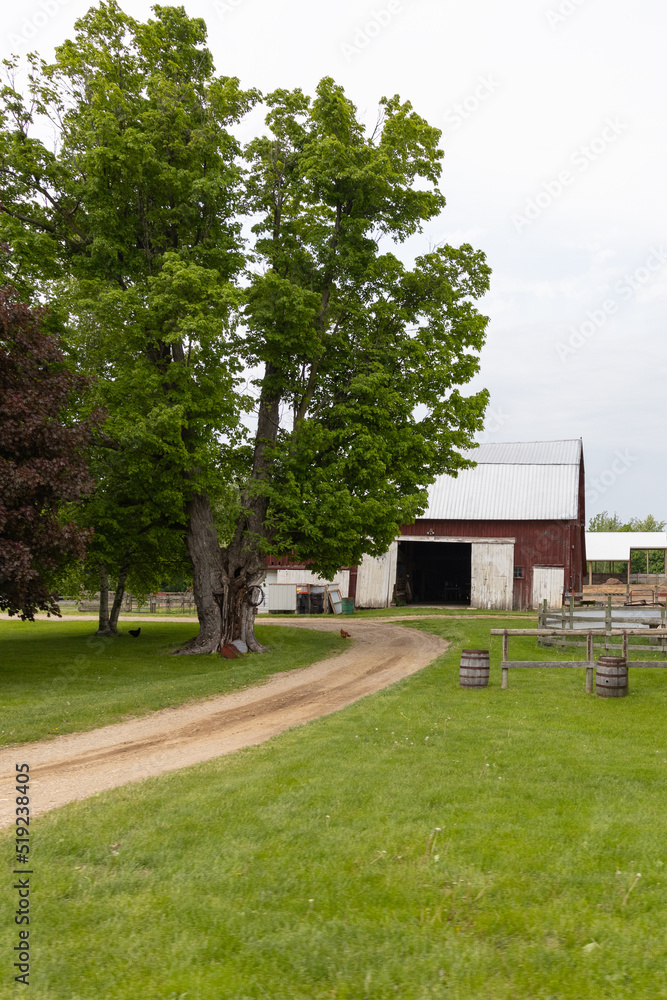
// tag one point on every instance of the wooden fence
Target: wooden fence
(177, 604)
(572, 621)
(622, 649)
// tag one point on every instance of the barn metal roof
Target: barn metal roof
(530, 480)
(528, 453)
(614, 546)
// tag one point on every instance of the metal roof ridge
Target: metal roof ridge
(538, 441)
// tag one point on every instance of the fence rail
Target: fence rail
(589, 663)
(571, 620)
(174, 603)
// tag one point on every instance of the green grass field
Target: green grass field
(427, 842)
(59, 677)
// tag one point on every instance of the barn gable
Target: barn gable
(535, 480)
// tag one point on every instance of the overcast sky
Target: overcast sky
(553, 119)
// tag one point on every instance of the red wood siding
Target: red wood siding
(537, 543)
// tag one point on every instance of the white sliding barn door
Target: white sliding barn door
(548, 583)
(492, 575)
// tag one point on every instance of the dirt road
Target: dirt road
(80, 764)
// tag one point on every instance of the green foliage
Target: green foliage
(132, 227)
(366, 353)
(605, 521)
(648, 523)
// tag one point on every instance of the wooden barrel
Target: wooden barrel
(474, 668)
(611, 677)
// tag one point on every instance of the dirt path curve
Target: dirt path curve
(78, 765)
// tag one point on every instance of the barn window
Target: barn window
(518, 572)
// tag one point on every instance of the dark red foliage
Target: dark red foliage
(42, 460)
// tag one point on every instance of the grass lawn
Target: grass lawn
(411, 610)
(427, 842)
(58, 677)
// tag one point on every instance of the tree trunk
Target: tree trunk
(223, 593)
(120, 592)
(103, 626)
(207, 576)
(238, 608)
(225, 582)
(243, 561)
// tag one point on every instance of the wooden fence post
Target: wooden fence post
(504, 683)
(562, 626)
(589, 668)
(542, 619)
(607, 624)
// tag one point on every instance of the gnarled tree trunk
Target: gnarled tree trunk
(207, 576)
(225, 581)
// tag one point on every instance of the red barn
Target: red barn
(508, 533)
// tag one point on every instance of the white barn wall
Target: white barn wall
(492, 575)
(376, 578)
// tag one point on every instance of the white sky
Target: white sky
(553, 118)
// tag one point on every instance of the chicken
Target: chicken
(134, 632)
(344, 634)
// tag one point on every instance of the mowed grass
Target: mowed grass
(427, 842)
(59, 677)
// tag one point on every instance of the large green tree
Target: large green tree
(361, 356)
(134, 224)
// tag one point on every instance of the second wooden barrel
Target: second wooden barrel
(611, 677)
(474, 668)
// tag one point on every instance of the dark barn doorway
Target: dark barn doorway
(433, 572)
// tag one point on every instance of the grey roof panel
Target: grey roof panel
(493, 491)
(527, 453)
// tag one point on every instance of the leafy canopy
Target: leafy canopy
(132, 227)
(363, 354)
(42, 460)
